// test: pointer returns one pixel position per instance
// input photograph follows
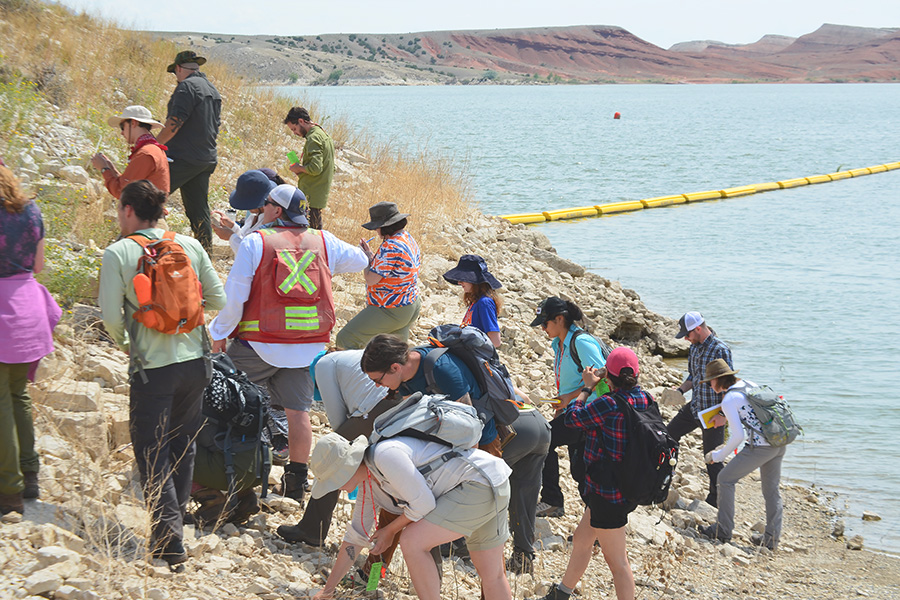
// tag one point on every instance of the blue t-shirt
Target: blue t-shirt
(454, 379)
(568, 377)
(483, 315)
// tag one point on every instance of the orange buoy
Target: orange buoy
(617, 116)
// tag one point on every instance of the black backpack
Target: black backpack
(645, 472)
(475, 349)
(573, 348)
(239, 409)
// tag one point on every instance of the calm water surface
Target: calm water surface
(803, 284)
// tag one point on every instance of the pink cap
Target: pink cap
(620, 358)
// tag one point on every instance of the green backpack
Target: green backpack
(777, 423)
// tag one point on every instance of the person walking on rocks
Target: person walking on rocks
(28, 315)
(607, 510)
(147, 159)
(315, 171)
(190, 131)
(466, 495)
(705, 348)
(169, 371)
(743, 425)
(557, 318)
(482, 301)
(281, 312)
(392, 281)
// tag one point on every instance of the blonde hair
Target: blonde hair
(11, 194)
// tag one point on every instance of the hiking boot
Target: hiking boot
(173, 553)
(293, 482)
(247, 506)
(760, 539)
(296, 535)
(10, 503)
(520, 563)
(548, 510)
(556, 594)
(212, 506)
(711, 532)
(712, 500)
(32, 490)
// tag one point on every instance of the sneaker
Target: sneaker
(32, 490)
(296, 535)
(759, 539)
(711, 532)
(280, 453)
(556, 594)
(548, 510)
(520, 562)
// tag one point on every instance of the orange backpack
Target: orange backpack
(168, 291)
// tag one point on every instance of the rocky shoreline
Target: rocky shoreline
(85, 538)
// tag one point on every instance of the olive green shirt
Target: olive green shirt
(156, 349)
(318, 160)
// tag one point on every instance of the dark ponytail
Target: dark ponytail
(146, 199)
(572, 314)
(625, 380)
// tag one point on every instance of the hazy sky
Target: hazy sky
(661, 22)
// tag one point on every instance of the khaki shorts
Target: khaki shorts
(475, 511)
(288, 388)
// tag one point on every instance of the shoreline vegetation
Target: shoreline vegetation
(86, 538)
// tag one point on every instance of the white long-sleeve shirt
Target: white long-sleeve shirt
(398, 460)
(740, 417)
(238, 232)
(342, 258)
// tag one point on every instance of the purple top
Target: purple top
(28, 314)
(19, 237)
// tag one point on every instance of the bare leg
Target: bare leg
(299, 435)
(492, 570)
(416, 541)
(612, 542)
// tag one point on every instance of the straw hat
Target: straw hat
(135, 113)
(334, 460)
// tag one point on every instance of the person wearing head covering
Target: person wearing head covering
(190, 131)
(705, 348)
(250, 193)
(743, 425)
(482, 301)
(280, 312)
(557, 318)
(466, 495)
(392, 280)
(28, 314)
(606, 512)
(147, 159)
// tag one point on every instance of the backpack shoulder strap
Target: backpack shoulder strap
(428, 362)
(573, 349)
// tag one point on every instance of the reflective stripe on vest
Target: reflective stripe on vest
(248, 326)
(298, 272)
(301, 317)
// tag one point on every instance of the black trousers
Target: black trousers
(193, 181)
(164, 420)
(682, 424)
(573, 439)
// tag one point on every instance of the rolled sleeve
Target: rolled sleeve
(237, 287)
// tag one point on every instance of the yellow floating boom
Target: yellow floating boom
(660, 201)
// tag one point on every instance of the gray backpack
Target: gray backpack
(777, 423)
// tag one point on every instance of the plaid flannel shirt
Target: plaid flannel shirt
(604, 427)
(700, 355)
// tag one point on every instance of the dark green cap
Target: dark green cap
(186, 56)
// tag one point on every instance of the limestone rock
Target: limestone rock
(855, 543)
(86, 428)
(43, 581)
(870, 516)
(75, 174)
(703, 510)
(74, 396)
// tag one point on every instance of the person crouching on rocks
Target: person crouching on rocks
(743, 425)
(607, 510)
(482, 301)
(454, 500)
(147, 159)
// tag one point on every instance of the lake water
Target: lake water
(803, 284)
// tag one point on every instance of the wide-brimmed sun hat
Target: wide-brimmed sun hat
(292, 200)
(251, 190)
(620, 358)
(689, 322)
(334, 460)
(186, 59)
(718, 368)
(384, 214)
(550, 308)
(135, 113)
(472, 269)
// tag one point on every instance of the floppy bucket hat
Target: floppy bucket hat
(472, 269)
(718, 368)
(186, 57)
(292, 201)
(251, 190)
(334, 460)
(548, 309)
(620, 358)
(135, 113)
(384, 214)
(689, 322)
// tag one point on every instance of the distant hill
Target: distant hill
(579, 54)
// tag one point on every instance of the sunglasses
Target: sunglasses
(122, 125)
